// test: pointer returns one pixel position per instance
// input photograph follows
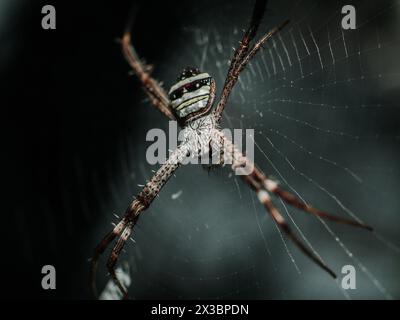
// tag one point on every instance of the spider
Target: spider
(190, 102)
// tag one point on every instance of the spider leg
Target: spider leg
(258, 45)
(100, 249)
(261, 184)
(258, 12)
(273, 187)
(265, 199)
(243, 54)
(116, 250)
(157, 95)
(124, 228)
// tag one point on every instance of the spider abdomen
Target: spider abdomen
(192, 96)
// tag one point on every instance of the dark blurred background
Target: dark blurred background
(75, 128)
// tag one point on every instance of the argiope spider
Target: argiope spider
(190, 103)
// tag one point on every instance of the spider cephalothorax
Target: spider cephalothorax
(193, 95)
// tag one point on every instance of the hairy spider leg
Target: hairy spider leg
(262, 185)
(124, 228)
(242, 49)
(243, 53)
(157, 95)
(273, 187)
(98, 251)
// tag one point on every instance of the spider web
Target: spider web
(323, 103)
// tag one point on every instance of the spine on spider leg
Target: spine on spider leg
(239, 162)
(240, 52)
(258, 45)
(153, 89)
(160, 178)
